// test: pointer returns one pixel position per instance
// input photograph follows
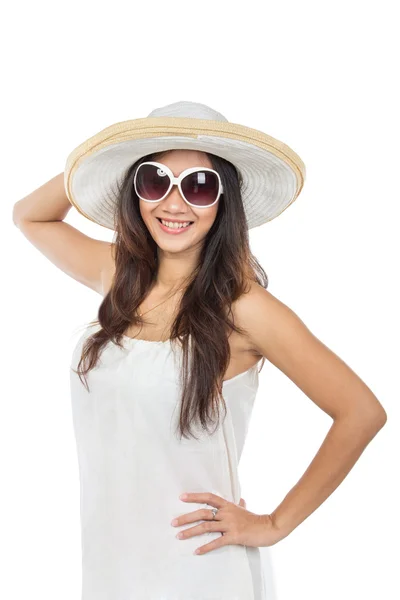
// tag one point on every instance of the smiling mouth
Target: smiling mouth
(190, 222)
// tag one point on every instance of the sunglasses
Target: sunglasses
(200, 187)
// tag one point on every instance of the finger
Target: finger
(218, 543)
(242, 503)
(197, 515)
(205, 498)
(204, 527)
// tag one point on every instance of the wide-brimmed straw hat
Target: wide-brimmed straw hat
(272, 173)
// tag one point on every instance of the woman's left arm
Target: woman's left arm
(277, 333)
(340, 450)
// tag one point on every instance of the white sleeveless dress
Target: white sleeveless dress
(133, 467)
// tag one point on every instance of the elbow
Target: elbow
(15, 214)
(378, 415)
(381, 418)
(366, 421)
(374, 422)
(372, 413)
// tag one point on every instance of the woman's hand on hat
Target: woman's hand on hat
(237, 524)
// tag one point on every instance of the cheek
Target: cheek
(210, 220)
(143, 208)
(145, 211)
(208, 217)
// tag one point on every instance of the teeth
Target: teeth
(174, 225)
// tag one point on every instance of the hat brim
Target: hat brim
(273, 174)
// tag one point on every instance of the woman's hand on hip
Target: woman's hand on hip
(236, 524)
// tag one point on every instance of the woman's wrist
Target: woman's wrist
(273, 533)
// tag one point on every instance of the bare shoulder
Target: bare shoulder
(258, 310)
(274, 329)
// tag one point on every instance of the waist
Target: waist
(143, 561)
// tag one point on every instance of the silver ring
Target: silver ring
(214, 512)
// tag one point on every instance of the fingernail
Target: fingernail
(183, 496)
(174, 522)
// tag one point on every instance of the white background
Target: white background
(323, 79)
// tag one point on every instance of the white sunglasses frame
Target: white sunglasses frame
(177, 181)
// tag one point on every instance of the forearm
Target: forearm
(340, 450)
(47, 203)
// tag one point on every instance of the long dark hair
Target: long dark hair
(224, 270)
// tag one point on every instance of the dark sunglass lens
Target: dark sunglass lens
(200, 188)
(151, 182)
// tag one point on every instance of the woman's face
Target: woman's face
(174, 207)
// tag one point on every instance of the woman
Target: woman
(163, 382)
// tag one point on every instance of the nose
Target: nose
(174, 200)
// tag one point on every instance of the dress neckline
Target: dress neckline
(129, 338)
(163, 343)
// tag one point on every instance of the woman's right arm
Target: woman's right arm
(40, 217)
